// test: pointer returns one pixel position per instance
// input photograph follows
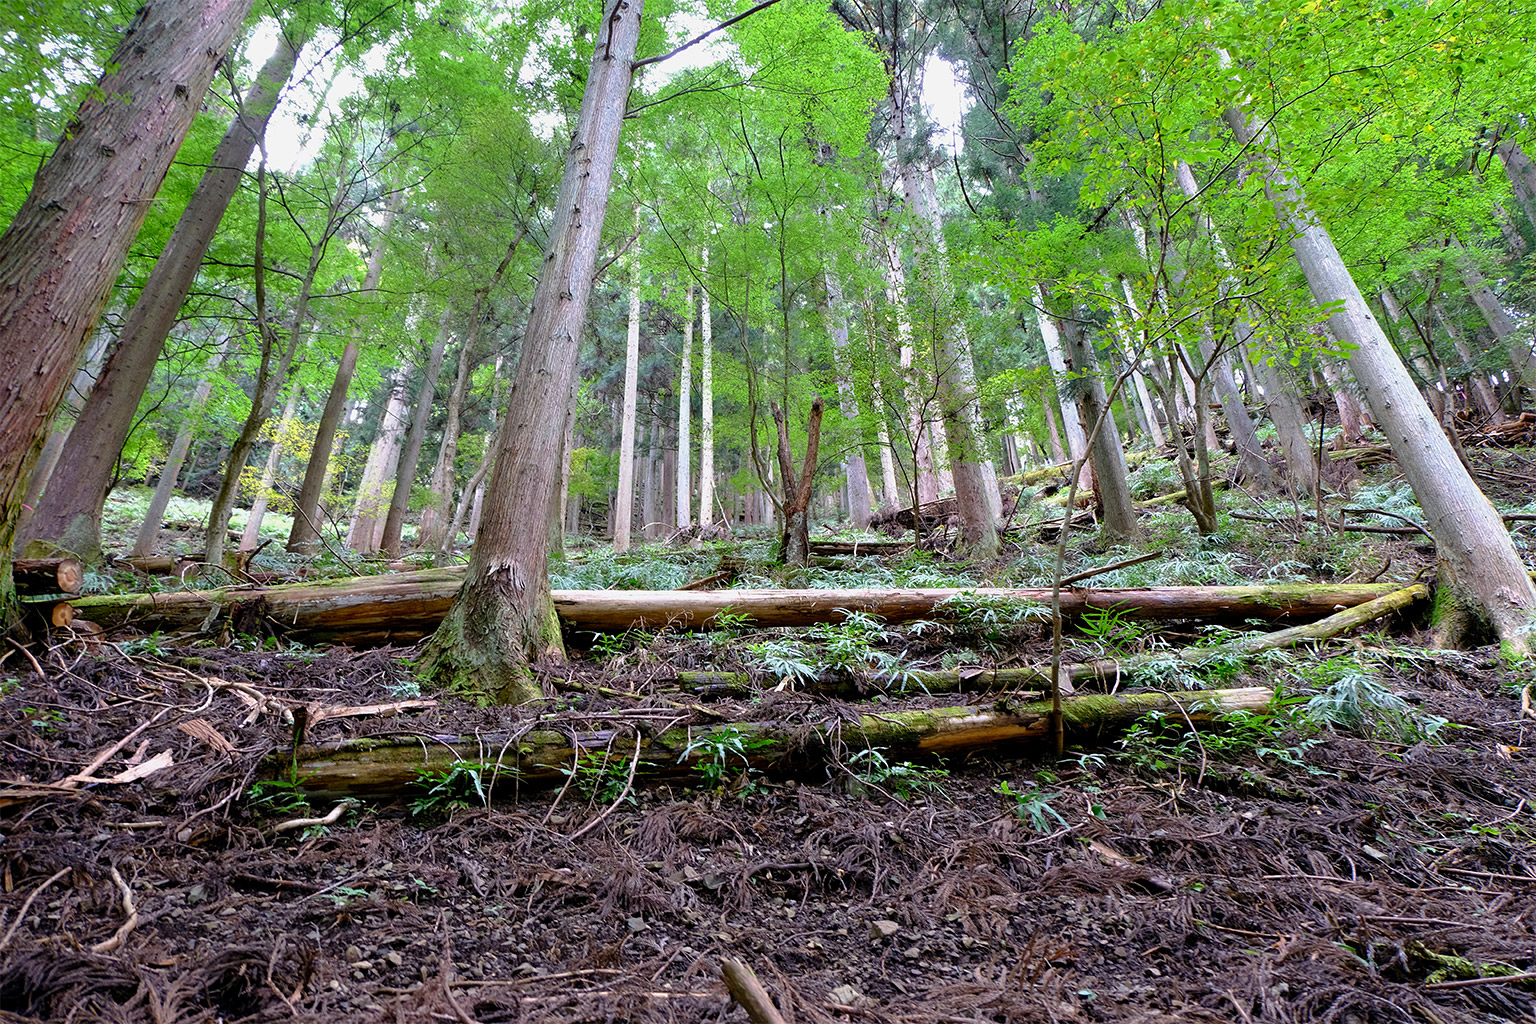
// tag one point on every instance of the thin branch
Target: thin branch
(696, 40)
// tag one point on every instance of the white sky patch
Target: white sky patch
(945, 102)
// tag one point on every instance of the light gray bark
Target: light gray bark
(685, 420)
(624, 500)
(377, 483)
(706, 403)
(1479, 565)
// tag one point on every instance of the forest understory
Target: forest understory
(1360, 851)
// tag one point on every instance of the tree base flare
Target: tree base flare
(485, 648)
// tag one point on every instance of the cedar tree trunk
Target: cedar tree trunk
(503, 616)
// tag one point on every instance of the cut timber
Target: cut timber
(367, 767)
(48, 575)
(404, 607)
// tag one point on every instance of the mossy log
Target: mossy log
(860, 547)
(975, 679)
(370, 767)
(404, 607)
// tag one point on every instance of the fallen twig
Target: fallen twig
(21, 915)
(127, 927)
(329, 819)
(749, 992)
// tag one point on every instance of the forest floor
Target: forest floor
(1277, 868)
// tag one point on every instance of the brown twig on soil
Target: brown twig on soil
(629, 783)
(27, 654)
(21, 915)
(127, 927)
(749, 992)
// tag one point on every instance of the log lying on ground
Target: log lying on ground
(860, 547)
(369, 767)
(402, 608)
(48, 575)
(991, 680)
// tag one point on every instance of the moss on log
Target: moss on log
(369, 767)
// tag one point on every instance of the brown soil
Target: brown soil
(1364, 882)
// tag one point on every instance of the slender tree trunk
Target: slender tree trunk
(1049, 405)
(623, 507)
(1480, 572)
(304, 538)
(1291, 426)
(916, 422)
(64, 423)
(69, 514)
(373, 490)
(252, 532)
(795, 540)
(1521, 356)
(855, 473)
(890, 487)
(1522, 176)
(706, 403)
(685, 422)
(503, 615)
(1112, 487)
(1050, 333)
(650, 506)
(405, 472)
(149, 531)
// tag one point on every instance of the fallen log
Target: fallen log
(860, 547)
(618, 610)
(369, 767)
(48, 575)
(974, 679)
(404, 607)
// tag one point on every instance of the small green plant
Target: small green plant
(279, 797)
(610, 644)
(1355, 699)
(453, 787)
(601, 777)
(1033, 806)
(902, 778)
(790, 660)
(716, 752)
(729, 622)
(1112, 633)
(44, 720)
(154, 645)
(341, 895)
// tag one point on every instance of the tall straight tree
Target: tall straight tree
(685, 419)
(503, 616)
(69, 513)
(706, 400)
(1480, 571)
(624, 503)
(62, 251)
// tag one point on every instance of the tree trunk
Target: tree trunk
(685, 421)
(914, 392)
(64, 422)
(855, 473)
(69, 513)
(1522, 176)
(504, 616)
(405, 472)
(373, 490)
(1521, 355)
(144, 543)
(706, 401)
(269, 379)
(795, 540)
(1111, 484)
(304, 538)
(1050, 333)
(624, 505)
(1480, 570)
(253, 520)
(650, 505)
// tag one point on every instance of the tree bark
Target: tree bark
(706, 400)
(304, 537)
(1111, 484)
(69, 513)
(62, 251)
(405, 471)
(504, 615)
(855, 472)
(373, 491)
(624, 506)
(252, 531)
(64, 421)
(403, 607)
(685, 421)
(795, 540)
(149, 530)
(1481, 573)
